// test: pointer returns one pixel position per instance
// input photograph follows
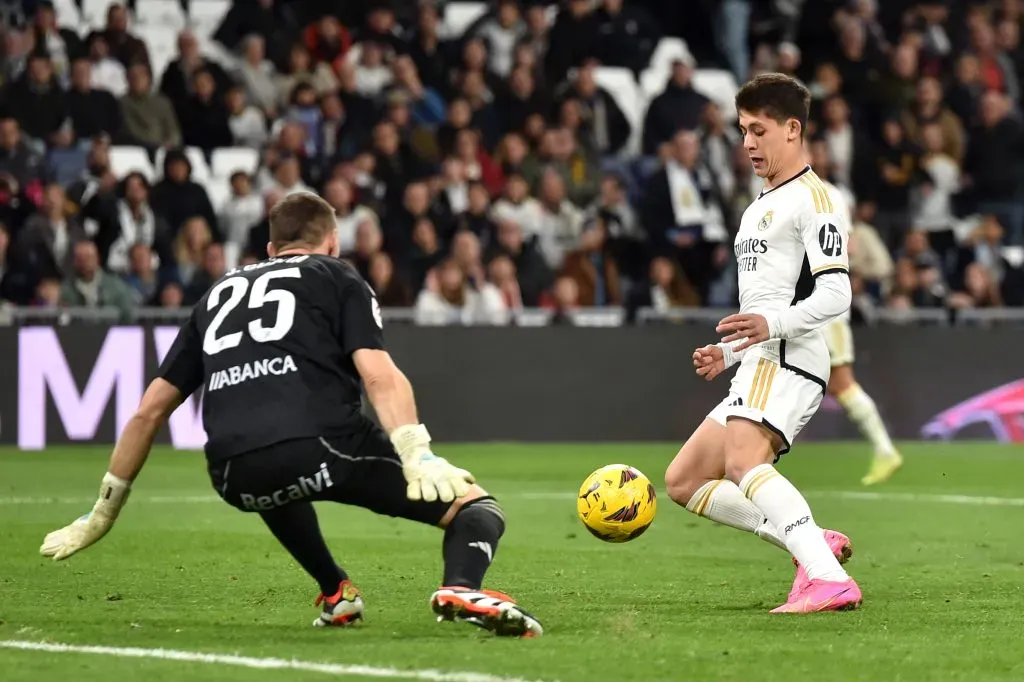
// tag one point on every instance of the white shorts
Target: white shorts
(839, 339)
(765, 392)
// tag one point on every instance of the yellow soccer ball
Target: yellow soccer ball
(616, 503)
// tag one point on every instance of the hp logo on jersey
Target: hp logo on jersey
(830, 240)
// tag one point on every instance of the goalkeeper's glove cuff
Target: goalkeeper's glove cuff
(113, 494)
(410, 441)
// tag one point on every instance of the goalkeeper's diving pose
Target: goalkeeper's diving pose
(281, 349)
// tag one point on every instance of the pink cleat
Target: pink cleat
(840, 546)
(823, 595)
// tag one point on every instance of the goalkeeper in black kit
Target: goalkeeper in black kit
(282, 349)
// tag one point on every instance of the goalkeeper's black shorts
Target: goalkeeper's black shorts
(362, 470)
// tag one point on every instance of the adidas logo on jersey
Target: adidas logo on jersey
(251, 370)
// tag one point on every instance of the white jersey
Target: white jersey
(842, 207)
(788, 236)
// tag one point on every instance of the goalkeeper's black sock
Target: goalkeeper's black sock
(471, 541)
(296, 527)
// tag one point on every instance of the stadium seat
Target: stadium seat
(227, 160)
(94, 12)
(652, 82)
(719, 86)
(205, 16)
(165, 13)
(458, 16)
(621, 85)
(667, 51)
(162, 43)
(68, 15)
(125, 160)
(219, 192)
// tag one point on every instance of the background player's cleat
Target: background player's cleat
(823, 595)
(882, 468)
(487, 609)
(840, 546)
(343, 608)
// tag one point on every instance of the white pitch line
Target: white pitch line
(854, 495)
(336, 669)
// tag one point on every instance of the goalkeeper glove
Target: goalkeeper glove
(88, 529)
(429, 477)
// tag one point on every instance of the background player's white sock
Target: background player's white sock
(722, 501)
(787, 509)
(864, 413)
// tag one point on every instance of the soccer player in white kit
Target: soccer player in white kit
(793, 280)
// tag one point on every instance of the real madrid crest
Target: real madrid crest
(765, 223)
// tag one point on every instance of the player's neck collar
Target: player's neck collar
(806, 169)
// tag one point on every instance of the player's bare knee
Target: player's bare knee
(681, 483)
(748, 445)
(840, 379)
(475, 493)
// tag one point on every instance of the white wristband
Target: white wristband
(113, 494)
(728, 356)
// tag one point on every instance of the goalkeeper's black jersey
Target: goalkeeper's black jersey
(271, 345)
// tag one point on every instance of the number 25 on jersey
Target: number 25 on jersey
(259, 296)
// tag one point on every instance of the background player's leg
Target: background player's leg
(863, 412)
(696, 480)
(749, 450)
(296, 527)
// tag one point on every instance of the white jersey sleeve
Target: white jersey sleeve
(824, 231)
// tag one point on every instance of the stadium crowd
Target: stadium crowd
(487, 171)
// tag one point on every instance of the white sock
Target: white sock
(722, 501)
(864, 413)
(787, 509)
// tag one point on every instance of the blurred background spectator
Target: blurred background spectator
(493, 156)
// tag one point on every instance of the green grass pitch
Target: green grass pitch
(937, 551)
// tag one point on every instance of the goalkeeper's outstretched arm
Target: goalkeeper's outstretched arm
(127, 460)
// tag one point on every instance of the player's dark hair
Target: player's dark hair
(776, 95)
(301, 219)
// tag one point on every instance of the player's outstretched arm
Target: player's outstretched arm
(127, 460)
(428, 476)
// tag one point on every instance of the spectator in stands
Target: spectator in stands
(149, 118)
(203, 115)
(19, 160)
(532, 272)
(467, 253)
(273, 21)
(259, 233)
(561, 222)
(604, 124)
(89, 286)
(665, 288)
(572, 40)
(679, 107)
(997, 72)
(124, 47)
(177, 197)
(517, 206)
(94, 192)
(178, 82)
(938, 181)
(301, 69)
(682, 211)
(37, 100)
(241, 211)
(448, 298)
(896, 163)
(519, 101)
(369, 241)
(106, 72)
(895, 91)
(304, 110)
(984, 245)
(131, 220)
(348, 214)
(426, 252)
(500, 29)
(627, 35)
(869, 256)
(171, 296)
(212, 267)
(929, 108)
(564, 298)
(1008, 42)
(373, 68)
(427, 50)
(247, 124)
(980, 290)
(501, 272)
(327, 41)
(256, 74)
(827, 83)
(391, 290)
(46, 242)
(190, 248)
(625, 238)
(62, 45)
(593, 268)
(993, 151)
(427, 107)
(339, 136)
(142, 278)
(92, 111)
(381, 27)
